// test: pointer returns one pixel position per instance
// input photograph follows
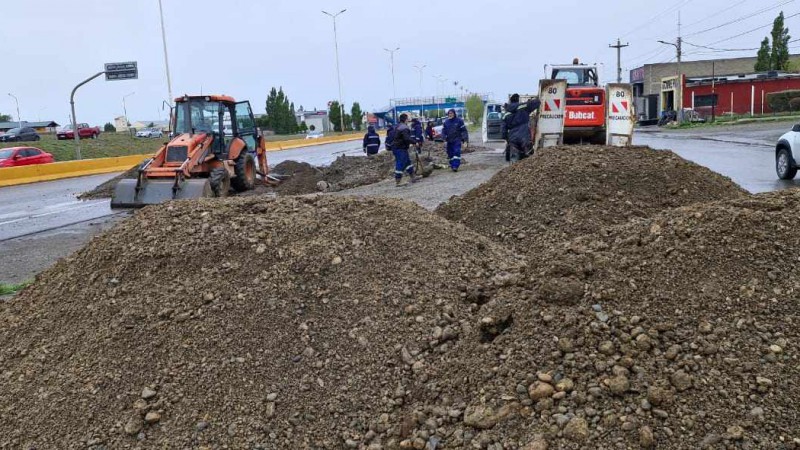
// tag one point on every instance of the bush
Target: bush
(794, 104)
(109, 128)
(782, 101)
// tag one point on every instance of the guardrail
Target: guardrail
(11, 176)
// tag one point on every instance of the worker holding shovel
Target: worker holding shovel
(400, 145)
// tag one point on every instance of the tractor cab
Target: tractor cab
(219, 116)
(585, 110)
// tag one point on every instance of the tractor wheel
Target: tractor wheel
(220, 182)
(245, 170)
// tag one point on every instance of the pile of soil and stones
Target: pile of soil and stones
(680, 331)
(106, 190)
(565, 192)
(258, 322)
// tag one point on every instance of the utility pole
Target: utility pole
(338, 73)
(619, 48)
(166, 58)
(391, 60)
(19, 119)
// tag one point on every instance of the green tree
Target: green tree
(335, 115)
(280, 116)
(763, 63)
(151, 125)
(357, 115)
(109, 128)
(5, 118)
(474, 107)
(779, 58)
(303, 127)
(348, 122)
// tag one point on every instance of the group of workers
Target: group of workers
(400, 139)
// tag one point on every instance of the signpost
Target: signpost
(621, 118)
(113, 72)
(550, 126)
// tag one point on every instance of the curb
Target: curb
(12, 176)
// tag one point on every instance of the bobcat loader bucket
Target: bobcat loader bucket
(140, 193)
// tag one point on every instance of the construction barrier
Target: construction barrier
(550, 126)
(12, 176)
(621, 117)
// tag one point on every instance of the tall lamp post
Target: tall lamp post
(19, 119)
(391, 60)
(679, 100)
(338, 73)
(125, 109)
(420, 69)
(166, 58)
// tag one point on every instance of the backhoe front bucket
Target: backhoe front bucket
(126, 194)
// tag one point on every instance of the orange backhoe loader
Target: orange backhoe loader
(215, 146)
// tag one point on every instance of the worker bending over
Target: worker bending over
(517, 127)
(419, 137)
(455, 134)
(400, 144)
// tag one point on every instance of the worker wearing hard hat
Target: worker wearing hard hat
(455, 133)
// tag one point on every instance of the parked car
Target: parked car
(24, 156)
(787, 153)
(23, 134)
(314, 135)
(84, 131)
(149, 133)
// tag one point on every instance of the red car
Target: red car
(24, 156)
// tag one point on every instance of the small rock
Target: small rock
(271, 397)
(134, 425)
(607, 348)
(537, 444)
(757, 413)
(565, 385)
(681, 380)
(148, 393)
(480, 417)
(657, 396)
(776, 349)
(545, 377)
(538, 391)
(618, 385)
(322, 186)
(646, 438)
(565, 345)
(152, 417)
(735, 433)
(336, 260)
(577, 430)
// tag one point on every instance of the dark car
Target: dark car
(23, 134)
(23, 156)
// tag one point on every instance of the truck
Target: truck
(84, 131)
(585, 112)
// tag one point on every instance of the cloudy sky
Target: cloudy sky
(244, 47)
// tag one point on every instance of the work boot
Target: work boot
(398, 182)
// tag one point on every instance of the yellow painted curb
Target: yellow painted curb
(11, 176)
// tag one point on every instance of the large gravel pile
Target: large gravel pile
(678, 332)
(245, 322)
(567, 192)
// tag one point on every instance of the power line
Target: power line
(721, 49)
(745, 17)
(716, 14)
(657, 17)
(752, 31)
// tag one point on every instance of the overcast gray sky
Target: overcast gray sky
(244, 47)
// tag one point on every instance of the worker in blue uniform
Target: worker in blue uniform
(372, 142)
(455, 134)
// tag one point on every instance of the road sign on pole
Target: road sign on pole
(122, 71)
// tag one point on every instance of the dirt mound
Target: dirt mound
(679, 332)
(106, 190)
(245, 322)
(301, 178)
(566, 192)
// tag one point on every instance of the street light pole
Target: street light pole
(391, 59)
(166, 58)
(19, 119)
(679, 88)
(421, 68)
(338, 73)
(125, 109)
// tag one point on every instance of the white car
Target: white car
(149, 133)
(787, 154)
(314, 135)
